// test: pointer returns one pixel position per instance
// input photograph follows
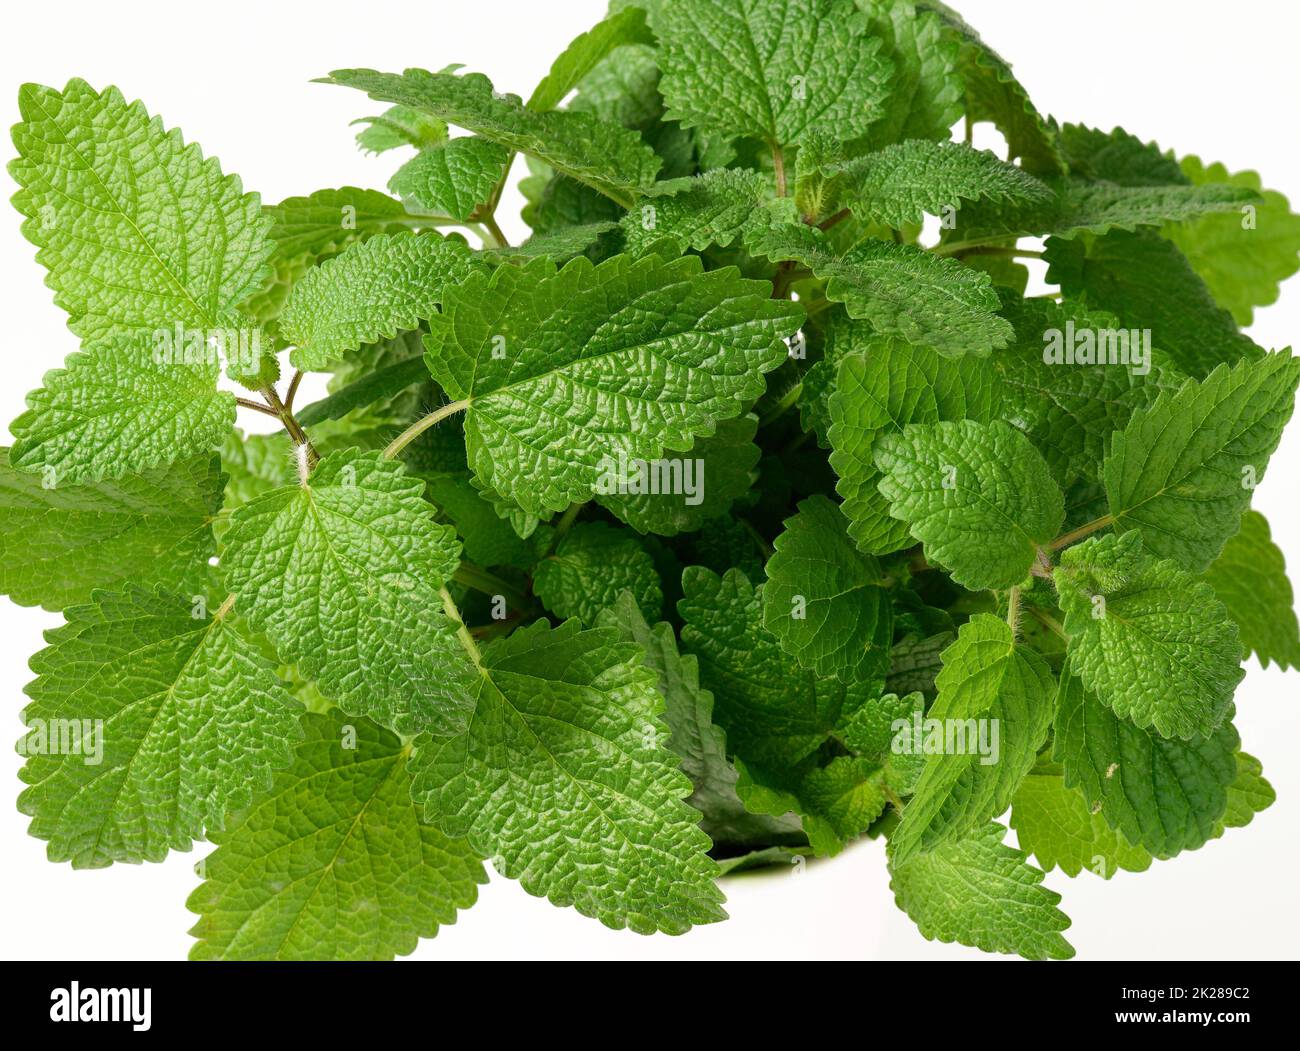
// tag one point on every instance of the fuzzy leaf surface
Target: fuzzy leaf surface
(343, 575)
(558, 778)
(193, 722)
(335, 863)
(1147, 637)
(977, 495)
(571, 372)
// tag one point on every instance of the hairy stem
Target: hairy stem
(787, 402)
(257, 406)
(480, 579)
(423, 424)
(778, 162)
(1066, 539)
(1049, 622)
(462, 632)
(1013, 610)
(296, 434)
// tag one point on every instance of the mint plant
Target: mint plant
(748, 508)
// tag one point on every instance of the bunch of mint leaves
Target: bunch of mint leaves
(719, 524)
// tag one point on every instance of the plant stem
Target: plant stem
(257, 406)
(1049, 622)
(788, 400)
(462, 632)
(563, 526)
(1011, 253)
(296, 434)
(1042, 566)
(1078, 534)
(293, 390)
(796, 443)
(764, 546)
(917, 563)
(480, 579)
(838, 217)
(1013, 610)
(494, 231)
(423, 424)
(778, 162)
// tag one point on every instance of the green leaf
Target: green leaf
(590, 568)
(558, 245)
(774, 70)
(979, 892)
(902, 183)
(561, 777)
(702, 746)
(58, 545)
(121, 408)
(369, 388)
(994, 94)
(137, 229)
(1118, 157)
(1249, 578)
(585, 52)
(1077, 206)
(546, 359)
(1249, 794)
(977, 495)
(773, 711)
(452, 178)
(327, 221)
(342, 573)
(173, 719)
(715, 208)
(880, 391)
(1148, 638)
(371, 291)
(902, 290)
(1183, 471)
(555, 201)
(679, 494)
(399, 126)
(254, 464)
(335, 862)
(1070, 403)
(824, 600)
(604, 156)
(980, 738)
(1164, 795)
(489, 540)
(925, 91)
(1148, 283)
(624, 87)
(837, 802)
(1244, 255)
(871, 732)
(1053, 823)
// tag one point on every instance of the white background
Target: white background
(1199, 76)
